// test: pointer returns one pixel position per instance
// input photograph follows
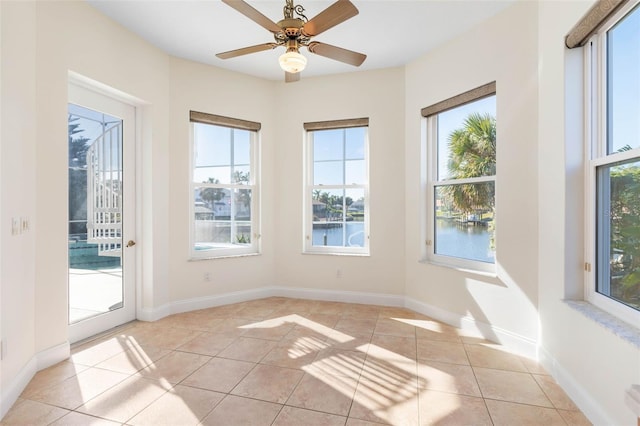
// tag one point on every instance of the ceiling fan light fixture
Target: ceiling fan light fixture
(292, 62)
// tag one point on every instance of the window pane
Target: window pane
(328, 218)
(213, 201)
(212, 174)
(241, 147)
(338, 218)
(619, 232)
(241, 175)
(355, 143)
(242, 204)
(355, 218)
(328, 145)
(222, 155)
(212, 145)
(213, 212)
(354, 172)
(466, 144)
(242, 233)
(328, 173)
(623, 85)
(210, 234)
(464, 221)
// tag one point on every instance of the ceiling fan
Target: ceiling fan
(295, 31)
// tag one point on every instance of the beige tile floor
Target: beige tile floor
(280, 361)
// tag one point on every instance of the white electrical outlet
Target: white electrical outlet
(15, 226)
(339, 273)
(207, 277)
(24, 224)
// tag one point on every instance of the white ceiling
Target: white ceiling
(390, 32)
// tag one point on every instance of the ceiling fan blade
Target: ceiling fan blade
(247, 10)
(246, 50)
(335, 14)
(337, 53)
(290, 77)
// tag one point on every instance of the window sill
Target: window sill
(226, 256)
(321, 253)
(618, 327)
(486, 274)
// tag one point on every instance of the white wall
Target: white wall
(18, 138)
(72, 36)
(591, 363)
(377, 95)
(537, 238)
(203, 88)
(502, 49)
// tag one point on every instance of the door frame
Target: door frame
(84, 93)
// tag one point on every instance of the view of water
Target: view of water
(354, 235)
(469, 242)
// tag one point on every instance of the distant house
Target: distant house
(202, 212)
(319, 209)
(221, 209)
(356, 207)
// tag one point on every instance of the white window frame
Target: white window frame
(430, 132)
(595, 66)
(226, 250)
(309, 187)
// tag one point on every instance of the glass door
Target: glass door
(101, 229)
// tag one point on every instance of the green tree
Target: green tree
(77, 145)
(625, 233)
(77, 176)
(472, 153)
(211, 195)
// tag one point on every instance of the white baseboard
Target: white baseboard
(39, 361)
(205, 302)
(339, 296)
(516, 343)
(589, 406)
(219, 300)
(11, 392)
(52, 356)
(151, 315)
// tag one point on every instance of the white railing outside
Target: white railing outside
(104, 192)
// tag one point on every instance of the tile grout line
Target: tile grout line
(330, 311)
(475, 377)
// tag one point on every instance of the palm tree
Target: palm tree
(211, 195)
(472, 153)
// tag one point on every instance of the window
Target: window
(461, 177)
(613, 145)
(224, 188)
(337, 190)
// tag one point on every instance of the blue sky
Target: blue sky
(90, 121)
(623, 50)
(213, 152)
(330, 148)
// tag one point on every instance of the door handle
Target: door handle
(131, 243)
